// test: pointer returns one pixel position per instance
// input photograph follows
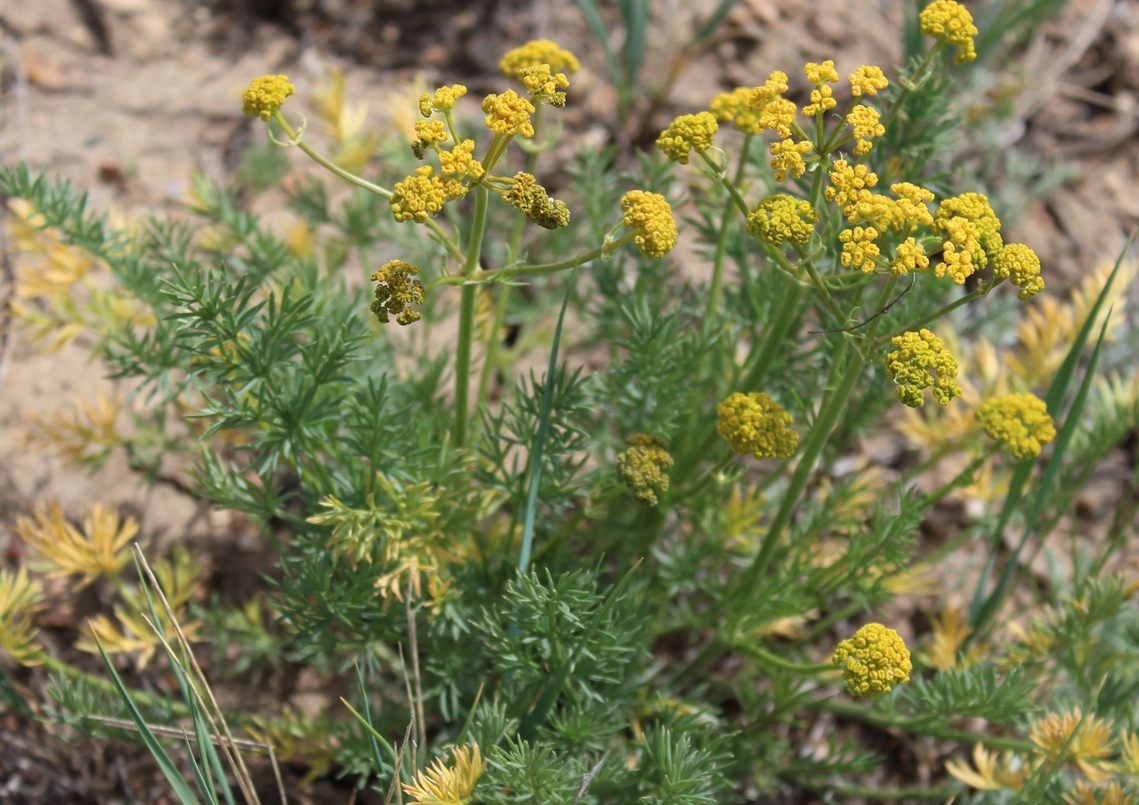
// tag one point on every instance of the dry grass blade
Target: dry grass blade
(228, 746)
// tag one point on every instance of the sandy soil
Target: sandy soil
(129, 97)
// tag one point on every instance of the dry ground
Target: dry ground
(129, 97)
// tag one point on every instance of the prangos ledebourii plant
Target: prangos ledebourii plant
(658, 568)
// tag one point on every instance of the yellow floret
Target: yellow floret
(443, 100)
(821, 73)
(912, 365)
(427, 133)
(873, 660)
(397, 292)
(644, 467)
(460, 162)
(538, 51)
(849, 185)
(1020, 264)
(971, 232)
(754, 424)
(911, 203)
(735, 107)
(867, 80)
(419, 196)
(650, 216)
(775, 113)
(530, 197)
(781, 217)
(910, 257)
(950, 23)
(864, 120)
(859, 251)
(687, 133)
(1021, 421)
(544, 85)
(787, 158)
(822, 101)
(265, 95)
(508, 114)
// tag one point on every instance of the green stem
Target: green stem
(467, 319)
(722, 242)
(502, 303)
(937, 314)
(534, 270)
(737, 199)
(824, 292)
(820, 434)
(298, 141)
(762, 655)
(919, 726)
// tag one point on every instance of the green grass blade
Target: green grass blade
(1054, 399)
(713, 22)
(368, 720)
(214, 774)
(470, 718)
(636, 16)
(990, 606)
(592, 15)
(169, 770)
(540, 440)
(367, 725)
(202, 773)
(1059, 388)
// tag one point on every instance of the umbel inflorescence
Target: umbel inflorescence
(542, 70)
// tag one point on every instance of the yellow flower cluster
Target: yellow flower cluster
(754, 424)
(972, 235)
(781, 217)
(508, 114)
(787, 158)
(440, 784)
(422, 195)
(912, 365)
(1021, 421)
(821, 96)
(910, 256)
(265, 95)
(688, 133)
(864, 120)
(544, 84)
(644, 467)
(950, 23)
(397, 292)
(911, 203)
(867, 80)
(1018, 263)
(527, 195)
(775, 112)
(427, 134)
(849, 186)
(443, 100)
(459, 161)
(873, 661)
(735, 107)
(650, 216)
(538, 51)
(859, 251)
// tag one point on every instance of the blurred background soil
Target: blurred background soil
(128, 98)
